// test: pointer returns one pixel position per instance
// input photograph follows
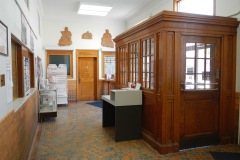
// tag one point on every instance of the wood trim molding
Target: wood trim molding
(61, 53)
(89, 54)
(23, 50)
(178, 17)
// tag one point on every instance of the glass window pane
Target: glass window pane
(144, 80)
(189, 86)
(152, 67)
(189, 79)
(152, 86)
(190, 50)
(200, 65)
(208, 65)
(200, 50)
(200, 78)
(209, 50)
(208, 86)
(147, 59)
(147, 68)
(148, 47)
(199, 86)
(196, 6)
(144, 48)
(147, 63)
(189, 65)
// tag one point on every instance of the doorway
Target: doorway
(200, 89)
(87, 75)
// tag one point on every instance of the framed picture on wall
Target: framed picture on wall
(24, 30)
(3, 39)
(31, 40)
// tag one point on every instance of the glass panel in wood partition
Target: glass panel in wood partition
(123, 65)
(148, 54)
(200, 72)
(133, 63)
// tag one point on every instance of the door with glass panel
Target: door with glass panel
(200, 88)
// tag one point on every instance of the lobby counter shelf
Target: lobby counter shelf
(121, 107)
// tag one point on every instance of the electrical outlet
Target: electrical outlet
(2, 79)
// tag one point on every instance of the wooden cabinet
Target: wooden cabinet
(186, 65)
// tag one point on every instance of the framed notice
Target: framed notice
(3, 39)
(31, 40)
(24, 30)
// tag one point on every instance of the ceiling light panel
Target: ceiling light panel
(97, 10)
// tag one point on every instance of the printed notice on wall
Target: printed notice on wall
(9, 83)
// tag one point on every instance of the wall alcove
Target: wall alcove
(186, 65)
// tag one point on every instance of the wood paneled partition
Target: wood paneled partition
(186, 65)
(17, 130)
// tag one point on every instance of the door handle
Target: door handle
(78, 79)
(182, 86)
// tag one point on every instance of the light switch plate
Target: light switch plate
(2, 80)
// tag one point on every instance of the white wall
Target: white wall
(52, 33)
(227, 8)
(11, 16)
(151, 9)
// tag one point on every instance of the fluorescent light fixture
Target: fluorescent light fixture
(97, 10)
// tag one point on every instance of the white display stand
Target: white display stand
(47, 103)
(124, 97)
(123, 109)
(57, 77)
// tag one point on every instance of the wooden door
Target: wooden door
(87, 75)
(200, 84)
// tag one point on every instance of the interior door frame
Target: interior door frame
(214, 139)
(88, 54)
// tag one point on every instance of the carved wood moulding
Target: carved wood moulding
(107, 39)
(87, 35)
(66, 39)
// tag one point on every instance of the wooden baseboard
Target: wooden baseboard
(161, 148)
(236, 117)
(35, 143)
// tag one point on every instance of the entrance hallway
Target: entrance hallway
(77, 134)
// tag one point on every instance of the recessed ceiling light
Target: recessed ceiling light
(97, 10)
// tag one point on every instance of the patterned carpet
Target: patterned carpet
(77, 134)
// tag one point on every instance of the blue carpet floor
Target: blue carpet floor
(96, 103)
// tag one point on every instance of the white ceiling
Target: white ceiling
(67, 9)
